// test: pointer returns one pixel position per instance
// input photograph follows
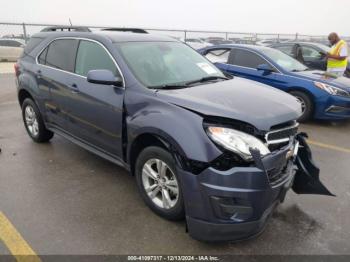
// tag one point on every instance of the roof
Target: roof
(246, 46)
(114, 36)
(320, 45)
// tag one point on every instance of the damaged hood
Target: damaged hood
(240, 99)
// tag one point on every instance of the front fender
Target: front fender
(181, 128)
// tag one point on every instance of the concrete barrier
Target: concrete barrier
(6, 68)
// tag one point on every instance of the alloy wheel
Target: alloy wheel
(160, 183)
(302, 102)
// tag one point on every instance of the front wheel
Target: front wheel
(159, 183)
(306, 105)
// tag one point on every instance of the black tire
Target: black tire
(308, 105)
(42, 135)
(177, 212)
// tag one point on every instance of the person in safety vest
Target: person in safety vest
(337, 58)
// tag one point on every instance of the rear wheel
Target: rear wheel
(306, 105)
(34, 123)
(159, 184)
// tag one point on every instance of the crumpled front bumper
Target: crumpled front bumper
(235, 204)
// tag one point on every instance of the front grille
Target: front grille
(282, 135)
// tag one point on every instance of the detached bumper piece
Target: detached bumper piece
(235, 204)
(307, 179)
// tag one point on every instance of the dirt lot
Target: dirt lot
(64, 200)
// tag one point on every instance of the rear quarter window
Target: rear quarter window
(32, 43)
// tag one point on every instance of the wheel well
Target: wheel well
(140, 143)
(23, 94)
(306, 92)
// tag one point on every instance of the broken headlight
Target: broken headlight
(236, 141)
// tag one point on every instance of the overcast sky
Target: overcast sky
(265, 16)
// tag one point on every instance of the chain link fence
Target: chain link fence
(23, 31)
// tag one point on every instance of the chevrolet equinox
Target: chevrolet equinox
(219, 152)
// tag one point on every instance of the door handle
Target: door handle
(74, 88)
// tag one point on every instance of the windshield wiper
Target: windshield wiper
(169, 86)
(187, 84)
(206, 79)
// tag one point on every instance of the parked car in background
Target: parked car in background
(218, 40)
(269, 42)
(196, 43)
(322, 96)
(188, 134)
(244, 41)
(313, 55)
(10, 49)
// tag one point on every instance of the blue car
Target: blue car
(321, 95)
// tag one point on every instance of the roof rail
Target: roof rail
(66, 28)
(126, 29)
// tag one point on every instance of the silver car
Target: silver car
(10, 49)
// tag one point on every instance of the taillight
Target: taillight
(16, 67)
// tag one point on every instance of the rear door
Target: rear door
(95, 111)
(54, 72)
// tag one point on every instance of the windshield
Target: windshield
(166, 63)
(285, 61)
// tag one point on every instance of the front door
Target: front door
(244, 63)
(95, 111)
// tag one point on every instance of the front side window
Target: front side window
(92, 56)
(310, 53)
(247, 59)
(166, 63)
(218, 55)
(61, 54)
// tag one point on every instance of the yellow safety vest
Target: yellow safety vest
(332, 63)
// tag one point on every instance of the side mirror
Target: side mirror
(265, 68)
(103, 77)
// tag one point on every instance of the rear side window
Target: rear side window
(246, 59)
(61, 54)
(12, 43)
(92, 56)
(287, 49)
